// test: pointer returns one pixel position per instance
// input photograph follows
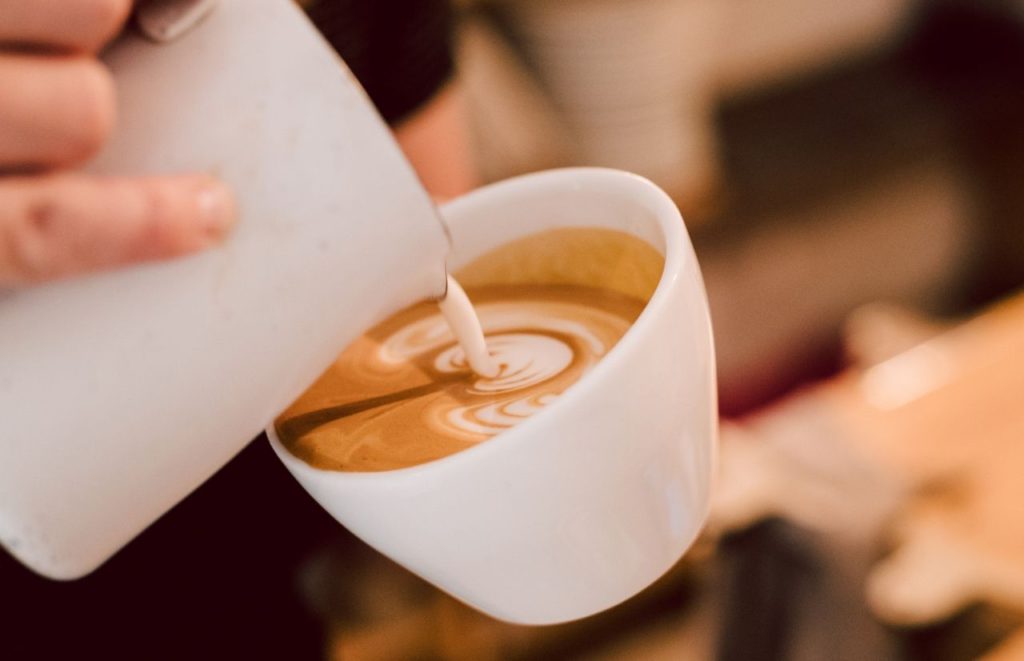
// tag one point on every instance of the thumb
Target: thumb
(60, 225)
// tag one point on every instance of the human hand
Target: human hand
(57, 108)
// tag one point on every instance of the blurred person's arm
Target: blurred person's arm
(401, 52)
(435, 139)
(57, 108)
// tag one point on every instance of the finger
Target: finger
(80, 25)
(53, 110)
(60, 225)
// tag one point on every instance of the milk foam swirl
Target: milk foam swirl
(562, 338)
(403, 394)
(525, 359)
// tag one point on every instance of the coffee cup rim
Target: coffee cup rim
(672, 226)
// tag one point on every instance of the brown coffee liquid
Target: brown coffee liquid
(403, 394)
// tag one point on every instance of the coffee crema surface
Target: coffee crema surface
(403, 394)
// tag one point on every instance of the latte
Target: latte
(404, 394)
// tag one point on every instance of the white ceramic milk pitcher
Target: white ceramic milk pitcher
(123, 391)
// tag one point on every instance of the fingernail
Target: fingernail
(216, 209)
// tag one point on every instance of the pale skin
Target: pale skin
(57, 109)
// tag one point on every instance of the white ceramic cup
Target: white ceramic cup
(592, 499)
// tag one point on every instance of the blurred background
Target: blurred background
(852, 175)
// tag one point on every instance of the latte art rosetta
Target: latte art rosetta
(563, 341)
(404, 394)
(551, 305)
